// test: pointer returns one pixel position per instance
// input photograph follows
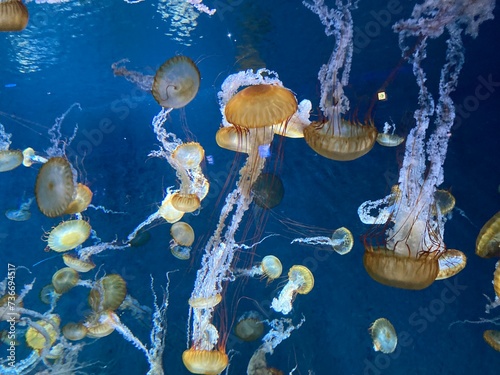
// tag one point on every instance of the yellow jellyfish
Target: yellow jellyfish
(108, 293)
(54, 187)
(98, 325)
(176, 82)
(492, 338)
(13, 15)
(48, 294)
(168, 211)
(340, 140)
(444, 200)
(189, 155)
(77, 264)
(36, 340)
(496, 280)
(250, 326)
(81, 200)
(185, 202)
(389, 140)
(74, 331)
(450, 263)
(65, 279)
(205, 302)
(234, 139)
(182, 233)
(10, 159)
(384, 336)
(300, 281)
(342, 240)
(208, 362)
(271, 267)
(68, 235)
(488, 240)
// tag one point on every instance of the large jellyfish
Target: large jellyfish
(13, 15)
(414, 232)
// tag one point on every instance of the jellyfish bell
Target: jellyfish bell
(488, 240)
(241, 139)
(451, 263)
(13, 15)
(168, 211)
(444, 200)
(176, 82)
(342, 240)
(303, 277)
(36, 340)
(492, 337)
(259, 106)
(340, 140)
(108, 293)
(271, 267)
(208, 362)
(17, 214)
(268, 190)
(54, 187)
(10, 159)
(68, 235)
(180, 252)
(48, 294)
(389, 140)
(74, 331)
(65, 279)
(185, 202)
(182, 233)
(78, 264)
(189, 155)
(250, 326)
(384, 336)
(82, 199)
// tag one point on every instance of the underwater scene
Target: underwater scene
(249, 187)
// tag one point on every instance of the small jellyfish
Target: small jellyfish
(185, 202)
(182, 233)
(74, 331)
(205, 302)
(82, 199)
(450, 263)
(68, 235)
(189, 155)
(54, 187)
(268, 190)
(176, 82)
(342, 240)
(492, 338)
(10, 159)
(22, 213)
(444, 200)
(65, 279)
(384, 336)
(488, 240)
(78, 264)
(271, 267)
(389, 139)
(209, 362)
(13, 15)
(300, 281)
(48, 294)
(98, 325)
(250, 326)
(108, 293)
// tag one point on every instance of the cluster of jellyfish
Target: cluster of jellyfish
(412, 255)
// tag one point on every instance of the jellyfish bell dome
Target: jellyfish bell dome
(250, 326)
(10, 159)
(259, 106)
(303, 277)
(268, 190)
(182, 233)
(78, 264)
(271, 267)
(82, 199)
(54, 187)
(488, 240)
(384, 336)
(342, 240)
(13, 15)
(189, 155)
(389, 140)
(108, 293)
(444, 200)
(450, 263)
(68, 235)
(208, 362)
(492, 337)
(185, 202)
(74, 331)
(65, 279)
(35, 339)
(176, 82)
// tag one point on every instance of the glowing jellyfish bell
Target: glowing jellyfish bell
(450, 263)
(176, 82)
(36, 340)
(488, 240)
(68, 235)
(384, 336)
(271, 267)
(208, 362)
(300, 281)
(82, 199)
(189, 155)
(13, 15)
(54, 187)
(10, 159)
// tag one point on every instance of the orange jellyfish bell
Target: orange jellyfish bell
(185, 202)
(54, 187)
(208, 362)
(189, 155)
(176, 82)
(488, 240)
(13, 15)
(492, 338)
(182, 233)
(340, 140)
(10, 159)
(260, 105)
(81, 201)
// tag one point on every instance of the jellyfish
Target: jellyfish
(176, 82)
(269, 267)
(68, 235)
(48, 294)
(445, 201)
(249, 327)
(65, 279)
(341, 240)
(268, 190)
(78, 264)
(189, 154)
(13, 15)
(29, 157)
(10, 159)
(74, 331)
(208, 362)
(54, 187)
(22, 213)
(182, 239)
(488, 240)
(450, 263)
(108, 293)
(81, 200)
(384, 336)
(36, 340)
(389, 139)
(300, 281)
(492, 337)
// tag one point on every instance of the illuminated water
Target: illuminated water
(65, 56)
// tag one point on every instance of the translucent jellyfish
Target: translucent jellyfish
(389, 139)
(300, 281)
(13, 15)
(270, 267)
(341, 240)
(68, 235)
(189, 155)
(108, 293)
(10, 159)
(492, 338)
(268, 190)
(182, 238)
(444, 200)
(176, 82)
(78, 264)
(250, 326)
(74, 331)
(208, 362)
(450, 263)
(22, 213)
(82, 199)
(29, 157)
(65, 279)
(298, 122)
(98, 325)
(35, 339)
(54, 187)
(48, 294)
(185, 202)
(384, 336)
(234, 139)
(488, 240)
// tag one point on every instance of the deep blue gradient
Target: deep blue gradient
(65, 55)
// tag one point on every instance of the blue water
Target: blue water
(65, 55)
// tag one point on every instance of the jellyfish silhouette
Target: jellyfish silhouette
(13, 15)
(176, 82)
(268, 190)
